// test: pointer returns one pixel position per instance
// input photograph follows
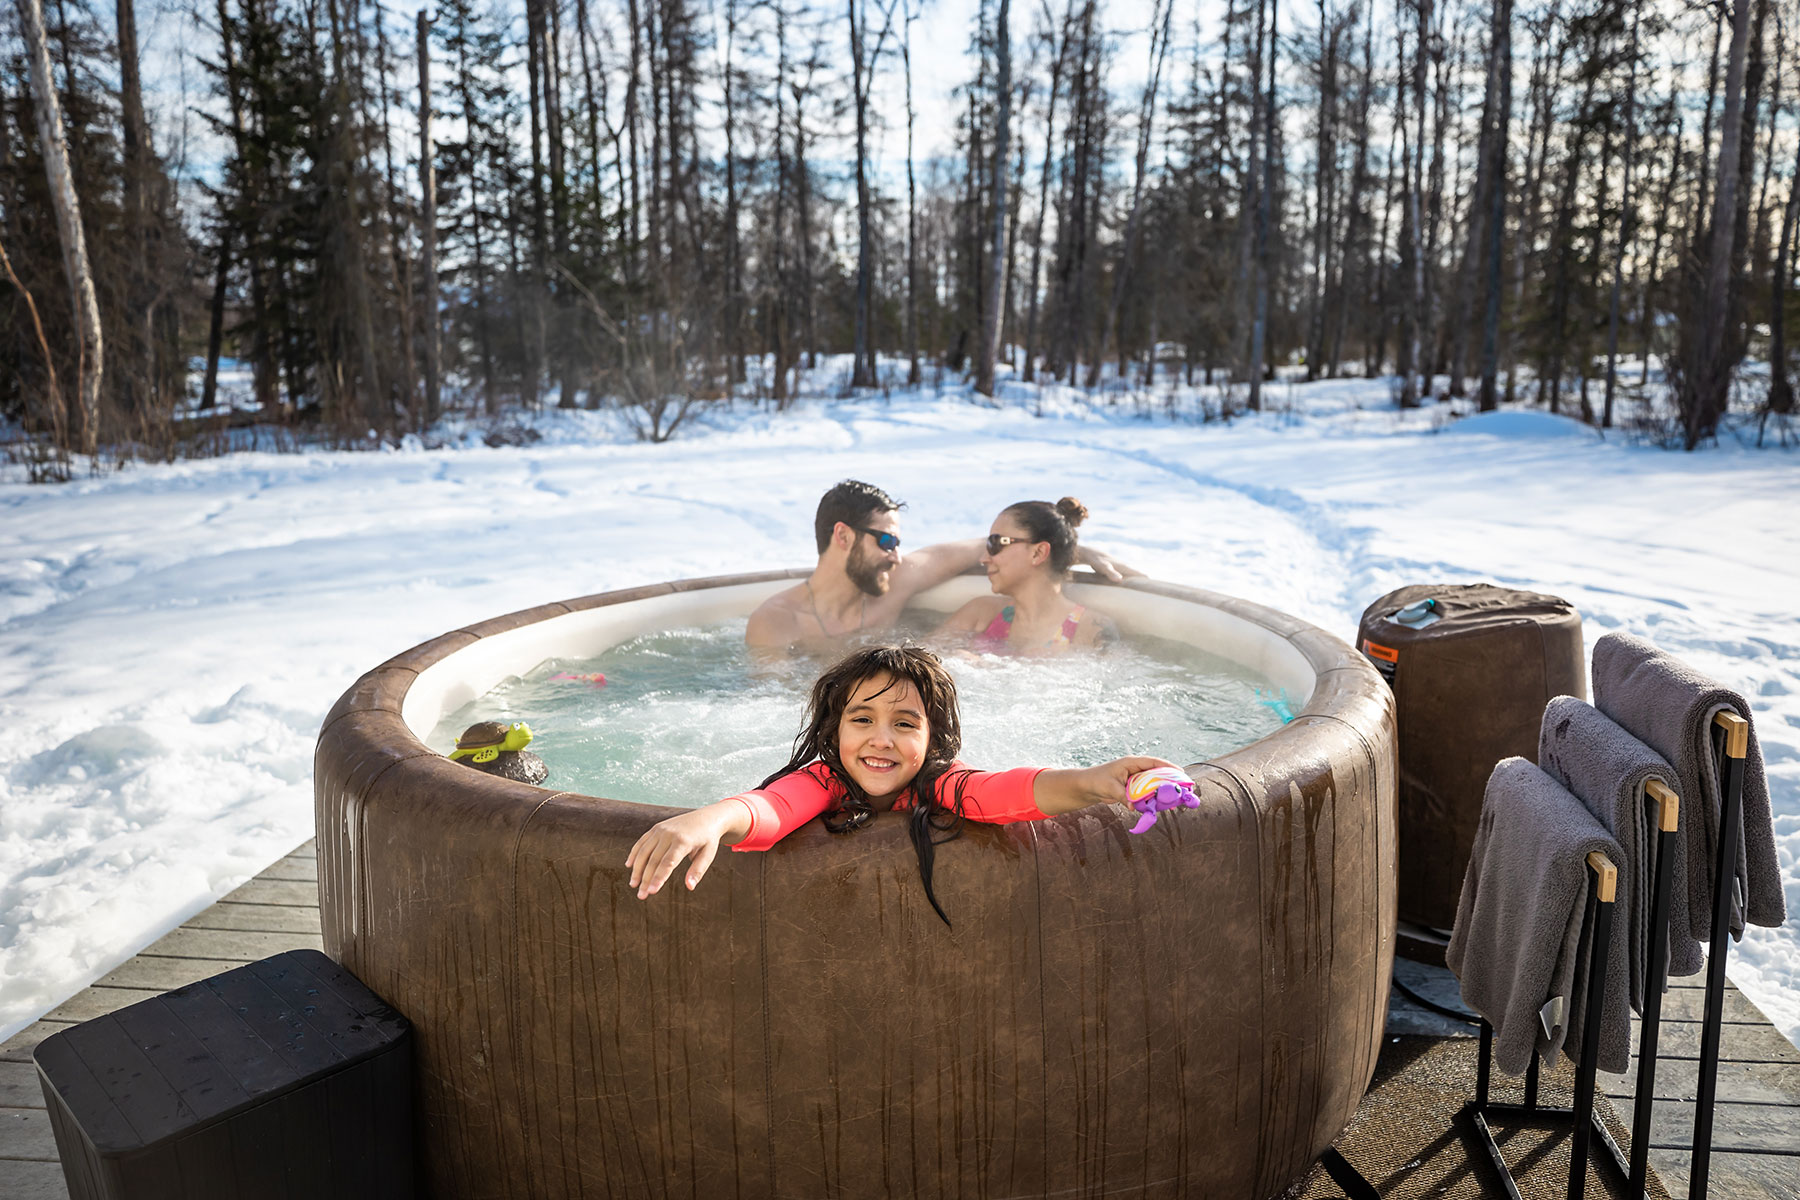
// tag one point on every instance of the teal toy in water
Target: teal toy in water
(1277, 703)
(497, 748)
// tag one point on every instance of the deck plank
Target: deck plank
(258, 918)
(236, 945)
(293, 868)
(1678, 1079)
(19, 1087)
(1689, 1004)
(26, 1133)
(295, 894)
(31, 1180)
(1737, 1176)
(1739, 1042)
(93, 1002)
(165, 974)
(18, 1047)
(1752, 1128)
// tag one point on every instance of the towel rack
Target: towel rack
(1656, 972)
(1731, 738)
(1603, 880)
(1731, 744)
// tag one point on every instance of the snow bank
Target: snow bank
(173, 635)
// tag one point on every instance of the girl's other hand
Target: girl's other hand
(655, 855)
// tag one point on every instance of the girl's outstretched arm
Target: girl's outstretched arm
(1061, 790)
(655, 855)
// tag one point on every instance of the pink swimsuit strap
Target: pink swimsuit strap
(1000, 628)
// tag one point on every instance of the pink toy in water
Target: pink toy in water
(598, 679)
(1158, 790)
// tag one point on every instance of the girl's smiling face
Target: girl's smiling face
(883, 735)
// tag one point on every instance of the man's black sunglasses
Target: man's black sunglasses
(883, 539)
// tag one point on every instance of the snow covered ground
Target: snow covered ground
(172, 635)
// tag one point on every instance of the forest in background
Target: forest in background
(662, 204)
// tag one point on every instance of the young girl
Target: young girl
(882, 731)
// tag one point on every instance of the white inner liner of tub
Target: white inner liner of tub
(473, 671)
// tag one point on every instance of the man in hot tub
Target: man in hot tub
(862, 581)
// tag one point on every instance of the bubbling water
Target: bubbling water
(687, 716)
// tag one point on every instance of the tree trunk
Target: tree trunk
(862, 373)
(1706, 383)
(1500, 68)
(634, 265)
(1562, 239)
(139, 226)
(1781, 391)
(215, 326)
(1265, 199)
(1325, 192)
(1061, 42)
(1626, 226)
(996, 274)
(734, 346)
(1546, 80)
(1416, 381)
(91, 362)
(1159, 45)
(428, 225)
(913, 376)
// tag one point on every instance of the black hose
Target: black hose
(1422, 1002)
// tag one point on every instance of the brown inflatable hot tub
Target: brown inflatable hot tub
(1192, 1012)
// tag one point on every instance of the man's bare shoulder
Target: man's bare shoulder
(776, 621)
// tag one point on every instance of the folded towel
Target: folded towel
(1606, 769)
(1670, 707)
(1519, 920)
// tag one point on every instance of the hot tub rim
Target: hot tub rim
(1345, 682)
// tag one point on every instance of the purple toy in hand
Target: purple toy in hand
(1158, 790)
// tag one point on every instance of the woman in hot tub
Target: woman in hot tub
(1030, 548)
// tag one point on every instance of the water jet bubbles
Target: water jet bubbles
(686, 716)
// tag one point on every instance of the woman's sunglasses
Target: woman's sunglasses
(883, 539)
(996, 542)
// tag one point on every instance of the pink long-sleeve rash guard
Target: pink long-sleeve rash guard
(996, 797)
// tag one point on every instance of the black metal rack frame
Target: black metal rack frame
(1730, 737)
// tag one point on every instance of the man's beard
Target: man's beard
(869, 575)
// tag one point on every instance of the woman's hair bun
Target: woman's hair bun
(1071, 510)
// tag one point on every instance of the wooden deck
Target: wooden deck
(1756, 1113)
(1756, 1139)
(276, 911)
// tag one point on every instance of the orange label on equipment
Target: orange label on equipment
(1385, 653)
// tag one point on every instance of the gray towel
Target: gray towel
(1519, 921)
(1670, 706)
(1606, 769)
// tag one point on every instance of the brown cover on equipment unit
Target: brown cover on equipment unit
(1192, 1012)
(1469, 690)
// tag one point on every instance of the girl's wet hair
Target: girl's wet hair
(1053, 523)
(931, 820)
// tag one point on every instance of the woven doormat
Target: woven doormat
(1406, 1141)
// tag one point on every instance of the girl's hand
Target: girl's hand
(1109, 783)
(655, 856)
(1065, 790)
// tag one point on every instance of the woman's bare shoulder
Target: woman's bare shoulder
(976, 613)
